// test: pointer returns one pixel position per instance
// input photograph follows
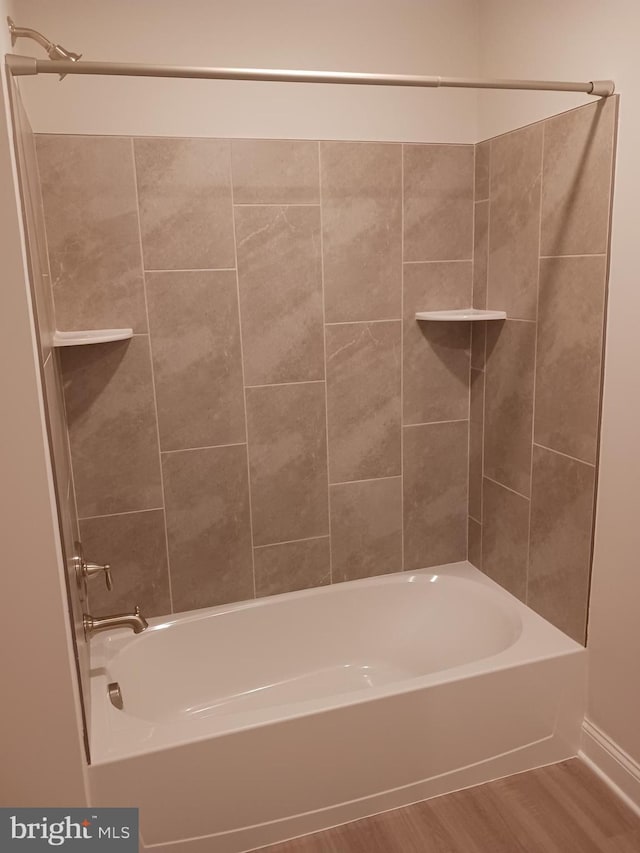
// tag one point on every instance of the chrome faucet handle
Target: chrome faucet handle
(92, 569)
(85, 571)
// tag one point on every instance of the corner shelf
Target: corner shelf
(461, 315)
(90, 336)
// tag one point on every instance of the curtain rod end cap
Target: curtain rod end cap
(602, 88)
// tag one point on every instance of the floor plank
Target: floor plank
(564, 808)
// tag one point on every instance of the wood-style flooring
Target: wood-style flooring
(563, 808)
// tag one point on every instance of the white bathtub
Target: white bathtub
(251, 723)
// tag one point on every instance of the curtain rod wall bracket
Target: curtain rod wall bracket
(21, 66)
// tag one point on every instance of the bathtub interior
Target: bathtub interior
(299, 653)
(311, 644)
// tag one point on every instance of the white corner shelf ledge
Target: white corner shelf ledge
(90, 336)
(461, 315)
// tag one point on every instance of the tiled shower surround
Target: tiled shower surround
(279, 420)
(542, 210)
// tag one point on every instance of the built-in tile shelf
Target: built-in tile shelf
(461, 315)
(90, 336)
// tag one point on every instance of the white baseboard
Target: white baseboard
(620, 772)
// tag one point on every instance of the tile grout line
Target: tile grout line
(244, 386)
(402, 557)
(566, 455)
(127, 512)
(153, 378)
(442, 261)
(366, 480)
(535, 367)
(508, 488)
(364, 322)
(276, 204)
(324, 343)
(433, 423)
(291, 542)
(205, 447)
(486, 289)
(471, 336)
(584, 255)
(194, 269)
(281, 384)
(485, 363)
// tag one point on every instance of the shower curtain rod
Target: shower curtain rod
(27, 65)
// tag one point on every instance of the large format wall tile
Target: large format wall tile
(561, 526)
(112, 427)
(184, 191)
(275, 171)
(292, 565)
(509, 403)
(279, 273)
(578, 150)
(135, 546)
(363, 400)
(362, 239)
(438, 202)
(436, 355)
(505, 538)
(208, 527)
(288, 462)
(569, 354)
(366, 528)
(89, 196)
(195, 341)
(514, 230)
(435, 494)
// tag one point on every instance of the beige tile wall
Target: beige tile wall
(279, 420)
(542, 218)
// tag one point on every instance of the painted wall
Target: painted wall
(42, 755)
(575, 39)
(406, 36)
